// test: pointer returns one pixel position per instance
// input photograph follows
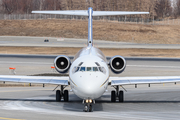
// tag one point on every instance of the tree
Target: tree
(158, 8)
(177, 8)
(8, 6)
(163, 8)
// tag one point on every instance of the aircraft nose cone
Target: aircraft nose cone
(90, 87)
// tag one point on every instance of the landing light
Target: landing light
(89, 101)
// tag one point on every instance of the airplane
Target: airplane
(89, 71)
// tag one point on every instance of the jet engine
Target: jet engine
(117, 64)
(62, 63)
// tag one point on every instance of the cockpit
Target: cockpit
(89, 69)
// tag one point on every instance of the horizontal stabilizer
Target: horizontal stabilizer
(108, 13)
(85, 13)
(69, 12)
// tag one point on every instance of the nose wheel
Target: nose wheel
(88, 105)
(88, 108)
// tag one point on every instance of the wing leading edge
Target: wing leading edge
(35, 79)
(142, 80)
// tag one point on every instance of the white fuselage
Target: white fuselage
(89, 73)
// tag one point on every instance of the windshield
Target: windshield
(89, 69)
(82, 69)
(95, 69)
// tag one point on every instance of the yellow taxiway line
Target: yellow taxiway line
(2, 118)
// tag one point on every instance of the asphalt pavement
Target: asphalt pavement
(72, 42)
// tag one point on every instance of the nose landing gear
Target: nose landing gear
(88, 107)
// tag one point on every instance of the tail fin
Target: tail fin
(90, 13)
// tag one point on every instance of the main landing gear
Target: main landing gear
(88, 107)
(117, 95)
(62, 93)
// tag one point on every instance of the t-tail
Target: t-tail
(90, 13)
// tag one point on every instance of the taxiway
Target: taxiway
(160, 101)
(71, 42)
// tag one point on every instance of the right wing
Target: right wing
(35, 79)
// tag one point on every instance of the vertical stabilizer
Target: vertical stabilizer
(90, 27)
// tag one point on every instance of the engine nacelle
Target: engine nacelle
(62, 63)
(117, 64)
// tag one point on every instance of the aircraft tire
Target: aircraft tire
(121, 96)
(58, 96)
(90, 108)
(66, 96)
(85, 108)
(113, 96)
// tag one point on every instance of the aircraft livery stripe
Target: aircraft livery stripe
(105, 82)
(72, 82)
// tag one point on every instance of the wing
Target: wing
(142, 80)
(35, 79)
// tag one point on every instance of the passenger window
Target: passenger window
(95, 69)
(88, 68)
(82, 69)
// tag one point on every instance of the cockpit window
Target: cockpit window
(80, 64)
(89, 69)
(95, 69)
(83, 69)
(102, 69)
(97, 63)
(77, 69)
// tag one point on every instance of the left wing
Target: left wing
(142, 80)
(35, 79)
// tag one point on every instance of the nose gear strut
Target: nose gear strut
(88, 105)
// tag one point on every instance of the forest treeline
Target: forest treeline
(158, 8)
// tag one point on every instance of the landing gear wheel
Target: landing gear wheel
(86, 109)
(90, 108)
(58, 96)
(113, 96)
(121, 96)
(66, 96)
